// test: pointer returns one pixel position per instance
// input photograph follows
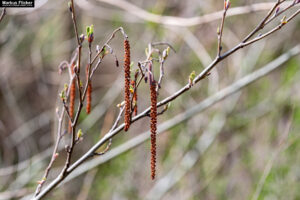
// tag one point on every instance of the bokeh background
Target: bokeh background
(255, 140)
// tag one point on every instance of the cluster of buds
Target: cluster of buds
(90, 33)
(226, 4)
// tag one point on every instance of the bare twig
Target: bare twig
(220, 30)
(2, 14)
(270, 163)
(186, 22)
(262, 23)
(112, 128)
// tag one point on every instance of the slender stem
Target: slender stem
(220, 33)
(75, 22)
(262, 23)
(3, 14)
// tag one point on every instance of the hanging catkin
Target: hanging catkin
(153, 125)
(127, 84)
(89, 91)
(72, 99)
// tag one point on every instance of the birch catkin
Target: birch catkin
(127, 84)
(72, 99)
(89, 91)
(153, 125)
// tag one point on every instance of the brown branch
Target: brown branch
(68, 169)
(262, 23)
(2, 14)
(220, 32)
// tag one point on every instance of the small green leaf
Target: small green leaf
(79, 133)
(92, 29)
(88, 31)
(192, 75)
(62, 95)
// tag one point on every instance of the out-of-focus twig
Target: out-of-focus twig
(268, 167)
(2, 14)
(87, 185)
(186, 22)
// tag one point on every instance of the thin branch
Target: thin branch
(120, 29)
(270, 163)
(186, 22)
(112, 128)
(163, 43)
(279, 13)
(262, 23)
(58, 138)
(2, 14)
(74, 22)
(200, 107)
(220, 32)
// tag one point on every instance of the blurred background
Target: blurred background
(244, 147)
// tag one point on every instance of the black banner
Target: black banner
(17, 3)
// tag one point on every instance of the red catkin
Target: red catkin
(89, 92)
(127, 84)
(153, 127)
(72, 99)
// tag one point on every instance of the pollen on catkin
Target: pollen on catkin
(153, 125)
(127, 84)
(72, 99)
(89, 92)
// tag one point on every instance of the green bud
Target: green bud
(62, 95)
(79, 133)
(283, 20)
(192, 76)
(88, 29)
(92, 29)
